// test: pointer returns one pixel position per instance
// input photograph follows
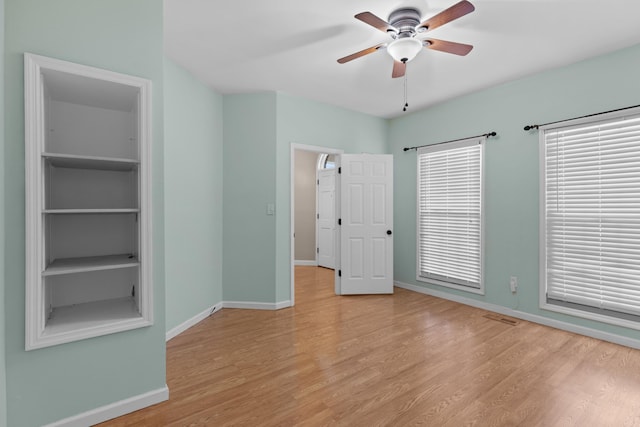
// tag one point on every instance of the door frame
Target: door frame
(292, 205)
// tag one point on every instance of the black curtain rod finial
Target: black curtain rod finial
(529, 127)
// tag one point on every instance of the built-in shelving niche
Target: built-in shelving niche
(87, 136)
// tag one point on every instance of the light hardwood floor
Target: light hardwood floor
(401, 360)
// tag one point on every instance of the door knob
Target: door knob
(389, 232)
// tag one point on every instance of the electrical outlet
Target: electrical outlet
(513, 284)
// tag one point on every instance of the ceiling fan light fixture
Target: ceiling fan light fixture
(404, 49)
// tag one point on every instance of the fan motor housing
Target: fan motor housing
(405, 20)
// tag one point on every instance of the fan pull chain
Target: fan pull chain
(406, 104)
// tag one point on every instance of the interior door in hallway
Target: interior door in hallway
(326, 222)
(365, 187)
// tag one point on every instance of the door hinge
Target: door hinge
(317, 250)
(318, 182)
(340, 169)
(318, 216)
(339, 273)
(339, 221)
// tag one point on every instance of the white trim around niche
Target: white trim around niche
(35, 124)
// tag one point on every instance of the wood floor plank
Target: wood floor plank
(388, 360)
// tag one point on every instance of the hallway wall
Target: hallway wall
(305, 209)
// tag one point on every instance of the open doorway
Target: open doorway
(306, 161)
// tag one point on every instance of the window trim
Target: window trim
(442, 147)
(568, 309)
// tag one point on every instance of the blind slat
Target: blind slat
(449, 214)
(592, 214)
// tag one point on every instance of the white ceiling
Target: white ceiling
(239, 46)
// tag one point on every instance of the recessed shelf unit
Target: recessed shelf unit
(87, 149)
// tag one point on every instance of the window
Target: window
(326, 161)
(590, 231)
(450, 214)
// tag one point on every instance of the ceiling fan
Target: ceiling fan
(404, 26)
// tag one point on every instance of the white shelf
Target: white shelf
(73, 161)
(77, 317)
(95, 263)
(90, 211)
(88, 202)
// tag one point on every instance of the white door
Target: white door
(326, 222)
(365, 214)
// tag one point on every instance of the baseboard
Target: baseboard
(256, 305)
(114, 410)
(312, 263)
(558, 324)
(283, 304)
(173, 332)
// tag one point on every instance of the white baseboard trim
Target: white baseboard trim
(114, 410)
(283, 304)
(558, 324)
(173, 332)
(312, 263)
(256, 305)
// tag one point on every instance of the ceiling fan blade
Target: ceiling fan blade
(399, 68)
(375, 22)
(448, 47)
(361, 53)
(454, 12)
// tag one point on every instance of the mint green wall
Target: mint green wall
(249, 170)
(56, 382)
(193, 195)
(258, 132)
(3, 380)
(512, 175)
(302, 121)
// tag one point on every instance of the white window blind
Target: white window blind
(592, 215)
(449, 213)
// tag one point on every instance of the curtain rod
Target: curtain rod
(529, 127)
(486, 135)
